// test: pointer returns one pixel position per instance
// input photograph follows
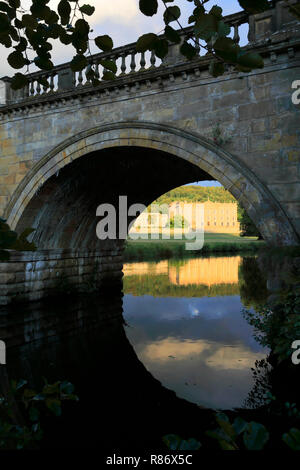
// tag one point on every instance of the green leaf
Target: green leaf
(87, 9)
(189, 444)
(67, 388)
(16, 60)
(172, 35)
(223, 29)
(79, 62)
(295, 10)
(206, 27)
(254, 6)
(20, 384)
(104, 42)
(5, 40)
(54, 405)
(216, 69)
(171, 14)
(225, 425)
(82, 27)
(50, 389)
(19, 81)
(44, 82)
(172, 441)
(34, 414)
(64, 11)
(250, 60)
(146, 42)
(108, 75)
(161, 48)
(109, 65)
(188, 50)
(148, 7)
(292, 438)
(175, 442)
(14, 3)
(4, 255)
(255, 436)
(227, 49)
(22, 45)
(51, 17)
(44, 63)
(239, 425)
(4, 23)
(216, 11)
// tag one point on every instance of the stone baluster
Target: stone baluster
(197, 46)
(45, 88)
(143, 61)
(97, 75)
(31, 87)
(80, 78)
(87, 70)
(236, 36)
(152, 60)
(38, 88)
(132, 63)
(51, 85)
(123, 64)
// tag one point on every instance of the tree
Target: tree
(248, 228)
(9, 240)
(31, 31)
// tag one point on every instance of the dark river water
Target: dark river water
(184, 319)
(142, 360)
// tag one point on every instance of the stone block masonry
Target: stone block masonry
(31, 276)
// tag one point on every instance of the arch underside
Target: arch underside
(60, 194)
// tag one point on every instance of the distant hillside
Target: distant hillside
(196, 194)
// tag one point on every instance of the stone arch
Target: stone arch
(234, 175)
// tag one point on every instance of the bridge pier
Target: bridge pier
(31, 276)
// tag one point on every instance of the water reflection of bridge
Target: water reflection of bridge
(198, 271)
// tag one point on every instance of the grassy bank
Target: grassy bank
(141, 250)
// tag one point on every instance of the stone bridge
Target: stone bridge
(68, 147)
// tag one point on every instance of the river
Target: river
(185, 321)
(157, 358)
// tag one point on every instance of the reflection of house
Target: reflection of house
(199, 271)
(207, 271)
(216, 217)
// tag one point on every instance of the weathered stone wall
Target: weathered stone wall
(30, 276)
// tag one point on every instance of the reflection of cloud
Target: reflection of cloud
(213, 355)
(215, 315)
(233, 358)
(161, 350)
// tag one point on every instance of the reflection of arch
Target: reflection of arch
(235, 176)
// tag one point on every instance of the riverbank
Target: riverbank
(214, 243)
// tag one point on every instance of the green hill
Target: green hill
(196, 194)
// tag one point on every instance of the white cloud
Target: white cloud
(118, 11)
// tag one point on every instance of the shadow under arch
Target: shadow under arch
(235, 176)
